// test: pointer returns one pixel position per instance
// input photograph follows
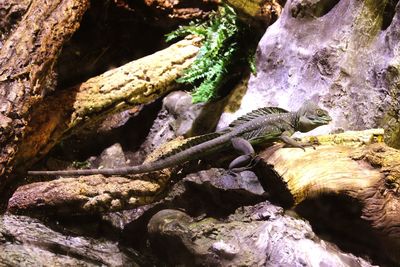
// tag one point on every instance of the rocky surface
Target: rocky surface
(28, 242)
(341, 54)
(182, 9)
(260, 235)
(212, 192)
(11, 12)
(113, 157)
(180, 117)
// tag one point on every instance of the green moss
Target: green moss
(227, 43)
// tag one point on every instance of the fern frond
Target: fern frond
(222, 48)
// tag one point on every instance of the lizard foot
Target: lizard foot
(295, 142)
(252, 163)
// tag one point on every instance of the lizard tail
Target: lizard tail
(107, 171)
(120, 171)
(146, 167)
(180, 157)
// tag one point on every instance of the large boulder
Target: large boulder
(342, 54)
(260, 235)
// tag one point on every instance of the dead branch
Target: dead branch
(27, 59)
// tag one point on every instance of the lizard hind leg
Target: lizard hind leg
(247, 160)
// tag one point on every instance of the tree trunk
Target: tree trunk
(27, 61)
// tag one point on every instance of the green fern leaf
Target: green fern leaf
(223, 36)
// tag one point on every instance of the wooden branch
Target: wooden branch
(138, 82)
(355, 164)
(90, 194)
(330, 168)
(27, 60)
(94, 193)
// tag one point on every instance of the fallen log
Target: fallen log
(95, 193)
(27, 59)
(355, 165)
(138, 82)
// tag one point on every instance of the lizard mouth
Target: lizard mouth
(326, 120)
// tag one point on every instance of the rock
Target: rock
(174, 119)
(180, 117)
(254, 236)
(28, 242)
(181, 111)
(11, 13)
(183, 9)
(215, 192)
(113, 157)
(341, 54)
(209, 192)
(219, 181)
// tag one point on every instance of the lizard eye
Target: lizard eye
(320, 112)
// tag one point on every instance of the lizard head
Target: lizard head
(310, 116)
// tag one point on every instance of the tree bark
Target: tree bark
(356, 165)
(11, 13)
(27, 61)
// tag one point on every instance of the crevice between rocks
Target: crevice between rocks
(388, 13)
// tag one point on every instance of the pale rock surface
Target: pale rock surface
(344, 55)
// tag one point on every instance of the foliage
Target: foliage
(225, 45)
(81, 164)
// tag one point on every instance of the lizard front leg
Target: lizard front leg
(285, 137)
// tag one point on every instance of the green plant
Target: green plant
(225, 45)
(81, 164)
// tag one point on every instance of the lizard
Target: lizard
(263, 125)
